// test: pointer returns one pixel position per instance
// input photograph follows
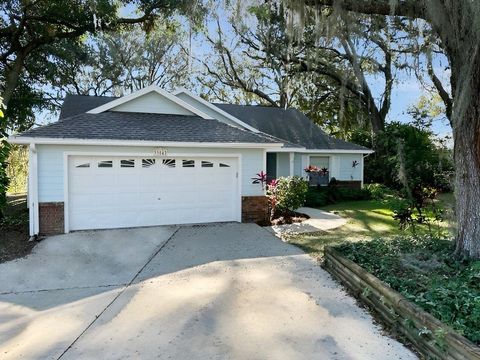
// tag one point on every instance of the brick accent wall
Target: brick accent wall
(254, 209)
(51, 218)
(351, 184)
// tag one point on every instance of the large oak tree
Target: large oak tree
(457, 25)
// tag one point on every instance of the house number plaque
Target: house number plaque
(160, 151)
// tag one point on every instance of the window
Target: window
(130, 163)
(146, 163)
(85, 165)
(207, 164)
(105, 164)
(169, 162)
(224, 165)
(320, 161)
(188, 163)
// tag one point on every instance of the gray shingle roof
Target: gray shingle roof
(112, 125)
(276, 125)
(288, 124)
(79, 104)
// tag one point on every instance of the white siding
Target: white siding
(51, 159)
(152, 103)
(347, 171)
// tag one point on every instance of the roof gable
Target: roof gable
(152, 100)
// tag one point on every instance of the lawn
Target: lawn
(366, 220)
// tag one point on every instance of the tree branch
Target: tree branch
(408, 8)
(439, 86)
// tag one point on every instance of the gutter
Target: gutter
(23, 140)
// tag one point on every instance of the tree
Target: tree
(457, 25)
(426, 162)
(28, 26)
(326, 76)
(125, 61)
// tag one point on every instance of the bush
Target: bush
(347, 194)
(289, 193)
(426, 162)
(316, 198)
(424, 271)
(321, 196)
(378, 191)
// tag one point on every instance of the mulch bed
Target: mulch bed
(291, 218)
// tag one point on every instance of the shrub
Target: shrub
(347, 194)
(423, 270)
(378, 191)
(316, 198)
(288, 193)
(321, 196)
(426, 161)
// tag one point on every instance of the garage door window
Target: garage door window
(188, 163)
(146, 163)
(169, 163)
(84, 165)
(207, 164)
(105, 164)
(127, 163)
(224, 165)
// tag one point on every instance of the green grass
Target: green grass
(366, 220)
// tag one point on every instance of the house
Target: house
(155, 158)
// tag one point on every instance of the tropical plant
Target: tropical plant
(287, 194)
(260, 178)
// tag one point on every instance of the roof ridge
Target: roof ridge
(258, 105)
(92, 96)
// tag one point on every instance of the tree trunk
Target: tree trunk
(12, 75)
(466, 132)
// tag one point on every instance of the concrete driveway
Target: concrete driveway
(225, 291)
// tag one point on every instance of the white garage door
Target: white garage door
(113, 192)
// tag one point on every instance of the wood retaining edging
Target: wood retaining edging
(427, 334)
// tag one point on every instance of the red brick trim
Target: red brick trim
(350, 184)
(254, 209)
(51, 218)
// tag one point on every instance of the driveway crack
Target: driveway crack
(160, 248)
(60, 289)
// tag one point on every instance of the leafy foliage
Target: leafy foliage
(17, 170)
(121, 62)
(378, 191)
(423, 270)
(426, 162)
(4, 149)
(287, 193)
(321, 196)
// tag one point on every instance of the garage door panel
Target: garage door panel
(141, 191)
